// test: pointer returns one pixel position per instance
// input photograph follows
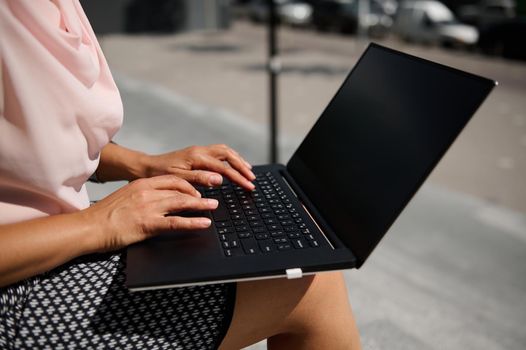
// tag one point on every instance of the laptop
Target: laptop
(381, 135)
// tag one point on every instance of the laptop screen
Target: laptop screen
(379, 138)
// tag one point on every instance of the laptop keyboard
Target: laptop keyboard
(259, 222)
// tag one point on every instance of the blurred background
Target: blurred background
(451, 273)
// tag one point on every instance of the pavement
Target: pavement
(450, 273)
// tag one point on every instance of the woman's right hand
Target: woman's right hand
(138, 211)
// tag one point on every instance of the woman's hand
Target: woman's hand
(138, 211)
(203, 165)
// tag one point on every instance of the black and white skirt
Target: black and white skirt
(84, 304)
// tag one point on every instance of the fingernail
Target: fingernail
(204, 222)
(198, 194)
(252, 176)
(212, 202)
(248, 165)
(216, 180)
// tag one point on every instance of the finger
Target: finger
(226, 170)
(201, 177)
(172, 182)
(183, 202)
(226, 153)
(178, 223)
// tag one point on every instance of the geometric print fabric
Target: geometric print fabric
(85, 305)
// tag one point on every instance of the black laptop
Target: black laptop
(386, 128)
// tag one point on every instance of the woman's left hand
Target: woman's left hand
(203, 165)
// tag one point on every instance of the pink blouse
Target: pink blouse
(59, 106)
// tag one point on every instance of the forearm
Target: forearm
(32, 247)
(120, 163)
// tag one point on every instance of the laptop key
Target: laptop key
(280, 240)
(285, 246)
(256, 223)
(314, 244)
(274, 227)
(299, 243)
(266, 246)
(233, 252)
(222, 224)
(277, 233)
(225, 230)
(293, 235)
(249, 246)
(243, 235)
(262, 236)
(242, 228)
(239, 222)
(259, 229)
(220, 214)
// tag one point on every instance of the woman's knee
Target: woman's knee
(323, 318)
(306, 307)
(323, 304)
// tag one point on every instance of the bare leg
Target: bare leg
(308, 313)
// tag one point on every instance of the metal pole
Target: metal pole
(273, 70)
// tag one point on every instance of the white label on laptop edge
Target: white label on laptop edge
(294, 273)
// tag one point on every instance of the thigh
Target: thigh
(85, 304)
(279, 306)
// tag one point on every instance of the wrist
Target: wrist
(120, 163)
(91, 239)
(99, 235)
(139, 165)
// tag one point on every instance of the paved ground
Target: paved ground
(449, 274)
(226, 69)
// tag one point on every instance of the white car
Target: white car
(292, 12)
(431, 22)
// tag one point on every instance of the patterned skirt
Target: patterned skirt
(84, 304)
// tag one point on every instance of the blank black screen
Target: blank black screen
(379, 138)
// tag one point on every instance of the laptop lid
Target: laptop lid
(379, 138)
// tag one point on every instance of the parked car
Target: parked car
(431, 22)
(345, 16)
(487, 12)
(505, 38)
(297, 13)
